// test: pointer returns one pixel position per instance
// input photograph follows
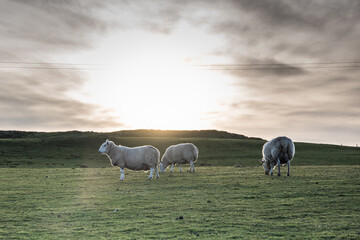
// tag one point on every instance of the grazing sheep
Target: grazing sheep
(278, 151)
(137, 158)
(182, 153)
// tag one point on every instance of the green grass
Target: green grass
(321, 202)
(71, 150)
(57, 186)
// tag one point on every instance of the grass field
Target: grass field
(215, 203)
(59, 187)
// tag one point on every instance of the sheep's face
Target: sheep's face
(162, 167)
(265, 166)
(104, 147)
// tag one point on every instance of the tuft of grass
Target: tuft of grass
(316, 202)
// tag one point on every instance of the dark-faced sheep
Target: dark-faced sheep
(276, 152)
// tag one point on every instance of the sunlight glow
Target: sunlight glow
(164, 94)
(152, 87)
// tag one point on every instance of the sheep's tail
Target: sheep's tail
(291, 150)
(287, 150)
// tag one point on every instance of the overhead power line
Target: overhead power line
(219, 67)
(50, 65)
(64, 68)
(275, 64)
(279, 68)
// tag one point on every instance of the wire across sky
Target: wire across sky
(220, 67)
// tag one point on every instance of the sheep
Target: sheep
(137, 158)
(182, 153)
(280, 151)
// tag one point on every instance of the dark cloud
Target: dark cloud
(162, 17)
(278, 92)
(296, 30)
(268, 67)
(38, 99)
(320, 105)
(43, 27)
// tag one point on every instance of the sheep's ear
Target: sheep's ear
(107, 141)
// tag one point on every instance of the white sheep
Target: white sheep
(183, 153)
(278, 151)
(137, 158)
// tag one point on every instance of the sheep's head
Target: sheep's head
(104, 147)
(266, 166)
(163, 164)
(162, 167)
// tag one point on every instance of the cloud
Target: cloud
(278, 93)
(161, 17)
(271, 41)
(323, 107)
(297, 30)
(50, 25)
(31, 101)
(268, 67)
(38, 99)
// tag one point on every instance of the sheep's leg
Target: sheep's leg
(192, 166)
(122, 172)
(157, 172)
(172, 168)
(278, 165)
(288, 165)
(151, 173)
(180, 167)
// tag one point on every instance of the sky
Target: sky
(254, 67)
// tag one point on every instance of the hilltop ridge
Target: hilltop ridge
(130, 133)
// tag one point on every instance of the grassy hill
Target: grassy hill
(57, 186)
(217, 148)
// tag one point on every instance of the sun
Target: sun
(160, 95)
(158, 91)
(150, 85)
